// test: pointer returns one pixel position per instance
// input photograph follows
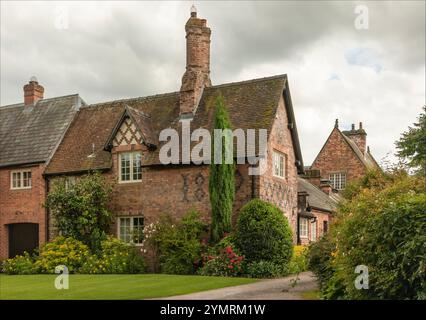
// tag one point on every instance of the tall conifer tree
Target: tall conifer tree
(222, 177)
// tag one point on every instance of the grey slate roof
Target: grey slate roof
(29, 134)
(317, 198)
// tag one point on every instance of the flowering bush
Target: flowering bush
(116, 256)
(226, 263)
(19, 265)
(62, 251)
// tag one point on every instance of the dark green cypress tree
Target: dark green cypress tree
(222, 178)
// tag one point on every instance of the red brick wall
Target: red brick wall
(21, 206)
(337, 156)
(321, 216)
(282, 192)
(177, 189)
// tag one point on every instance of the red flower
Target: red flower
(230, 266)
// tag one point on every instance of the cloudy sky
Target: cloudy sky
(112, 50)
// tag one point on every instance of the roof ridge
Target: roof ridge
(130, 99)
(42, 100)
(248, 81)
(104, 103)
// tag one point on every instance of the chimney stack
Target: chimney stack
(359, 136)
(197, 74)
(325, 186)
(33, 91)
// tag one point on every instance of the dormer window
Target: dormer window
(130, 167)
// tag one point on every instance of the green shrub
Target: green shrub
(384, 228)
(19, 265)
(81, 211)
(263, 233)
(62, 251)
(116, 257)
(177, 245)
(299, 260)
(227, 263)
(264, 269)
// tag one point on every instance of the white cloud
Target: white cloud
(113, 50)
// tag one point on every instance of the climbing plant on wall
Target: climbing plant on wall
(222, 175)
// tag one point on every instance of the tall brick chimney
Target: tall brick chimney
(33, 91)
(197, 74)
(359, 136)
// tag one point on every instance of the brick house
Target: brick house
(121, 139)
(316, 205)
(29, 134)
(343, 158)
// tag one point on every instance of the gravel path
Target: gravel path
(273, 289)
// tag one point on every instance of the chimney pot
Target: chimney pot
(360, 125)
(33, 91)
(353, 127)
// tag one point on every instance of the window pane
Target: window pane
(137, 175)
(125, 166)
(125, 229)
(137, 230)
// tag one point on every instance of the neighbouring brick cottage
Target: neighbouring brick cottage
(29, 134)
(343, 158)
(121, 139)
(316, 206)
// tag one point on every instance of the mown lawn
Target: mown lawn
(141, 286)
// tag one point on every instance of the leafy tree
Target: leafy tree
(412, 145)
(80, 210)
(382, 226)
(222, 178)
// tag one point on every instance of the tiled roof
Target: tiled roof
(29, 134)
(317, 198)
(251, 104)
(366, 158)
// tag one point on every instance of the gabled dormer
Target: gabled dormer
(132, 128)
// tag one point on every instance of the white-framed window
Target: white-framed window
(69, 182)
(130, 167)
(130, 229)
(20, 179)
(278, 161)
(314, 231)
(303, 227)
(338, 180)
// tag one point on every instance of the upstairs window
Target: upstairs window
(20, 179)
(278, 164)
(130, 229)
(130, 167)
(338, 180)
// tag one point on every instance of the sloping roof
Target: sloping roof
(317, 198)
(142, 122)
(251, 105)
(29, 134)
(366, 158)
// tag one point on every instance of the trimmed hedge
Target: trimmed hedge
(263, 233)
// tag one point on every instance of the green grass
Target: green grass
(311, 295)
(141, 286)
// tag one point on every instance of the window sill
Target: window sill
(16, 189)
(129, 182)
